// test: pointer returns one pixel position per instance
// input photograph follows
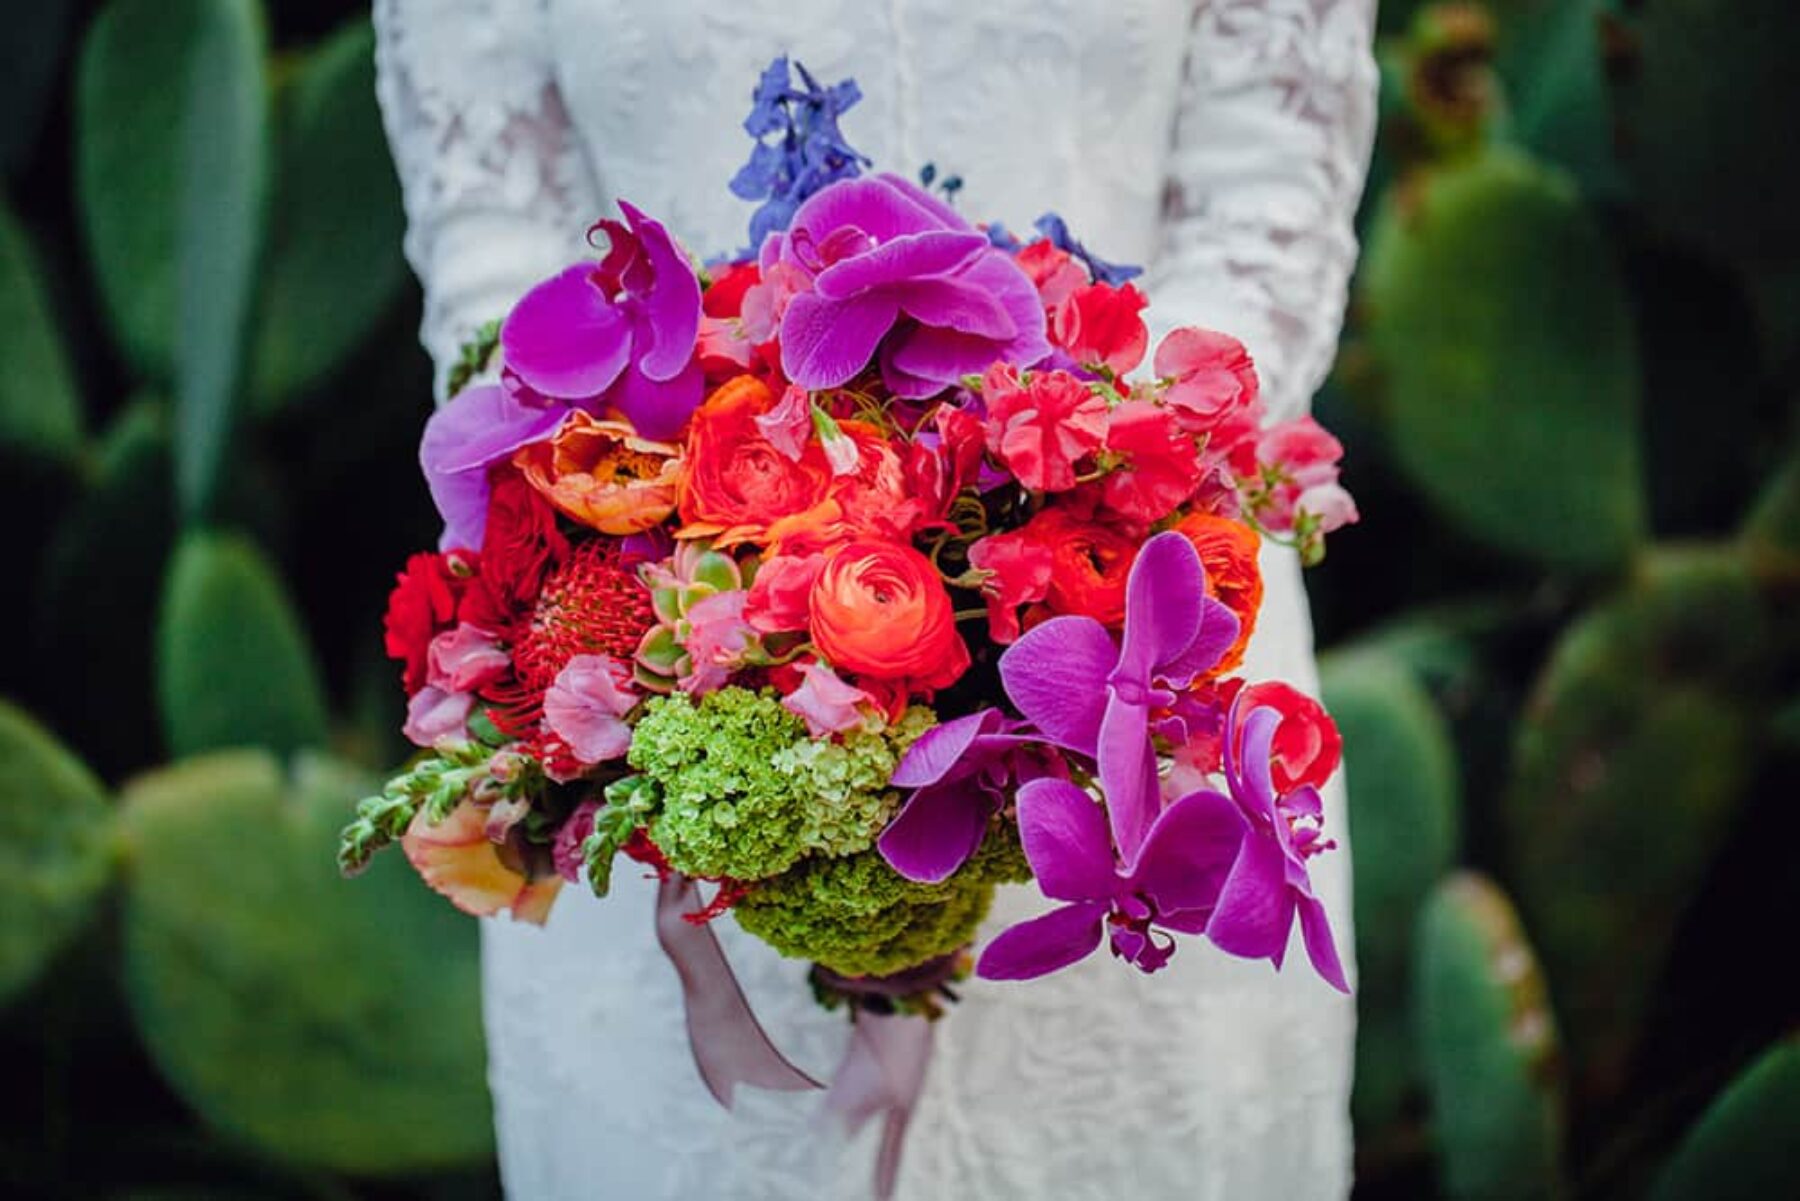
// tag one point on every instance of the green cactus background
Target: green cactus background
(1564, 645)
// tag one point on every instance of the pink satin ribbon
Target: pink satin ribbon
(883, 1070)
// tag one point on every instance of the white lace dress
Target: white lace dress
(1224, 144)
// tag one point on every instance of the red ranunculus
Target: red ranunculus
(1308, 746)
(1099, 326)
(422, 606)
(1041, 426)
(1090, 563)
(522, 545)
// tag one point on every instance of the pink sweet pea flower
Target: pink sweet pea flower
(788, 425)
(780, 596)
(465, 659)
(586, 705)
(717, 638)
(826, 703)
(1099, 326)
(456, 858)
(433, 715)
(1161, 468)
(1211, 373)
(1019, 568)
(1301, 457)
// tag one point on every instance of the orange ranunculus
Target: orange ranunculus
(456, 858)
(1228, 552)
(603, 475)
(869, 501)
(1090, 563)
(880, 609)
(737, 484)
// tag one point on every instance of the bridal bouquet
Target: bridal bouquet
(840, 583)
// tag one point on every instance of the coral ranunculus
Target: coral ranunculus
(880, 609)
(601, 474)
(738, 483)
(1228, 551)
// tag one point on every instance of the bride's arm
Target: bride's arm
(498, 192)
(1271, 150)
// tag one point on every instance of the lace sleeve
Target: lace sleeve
(497, 191)
(1271, 150)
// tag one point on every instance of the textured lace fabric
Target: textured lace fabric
(1224, 144)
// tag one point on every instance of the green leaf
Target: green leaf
(1490, 1047)
(334, 264)
(332, 1023)
(1632, 756)
(172, 129)
(1742, 1147)
(1404, 807)
(56, 848)
(40, 407)
(234, 667)
(1498, 321)
(29, 56)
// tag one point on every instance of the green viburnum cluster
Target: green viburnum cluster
(859, 917)
(744, 792)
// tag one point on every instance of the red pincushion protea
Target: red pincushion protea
(593, 604)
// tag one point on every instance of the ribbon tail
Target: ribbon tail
(729, 1045)
(883, 1073)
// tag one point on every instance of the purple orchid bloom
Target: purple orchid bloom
(1269, 884)
(621, 334)
(479, 427)
(1173, 634)
(1173, 886)
(960, 772)
(892, 268)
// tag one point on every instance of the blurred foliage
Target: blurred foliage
(1564, 645)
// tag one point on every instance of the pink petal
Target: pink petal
(565, 338)
(788, 425)
(1053, 673)
(1043, 944)
(1066, 841)
(827, 704)
(433, 715)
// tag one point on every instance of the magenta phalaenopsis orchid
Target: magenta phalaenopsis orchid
(620, 334)
(960, 771)
(1269, 884)
(1174, 633)
(890, 267)
(1184, 860)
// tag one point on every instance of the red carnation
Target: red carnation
(1042, 426)
(422, 606)
(1099, 326)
